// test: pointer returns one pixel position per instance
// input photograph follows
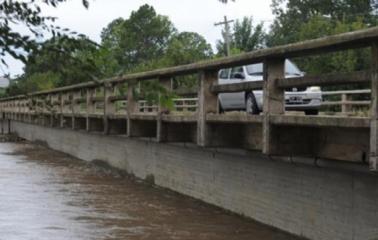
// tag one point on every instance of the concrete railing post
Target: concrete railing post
(161, 128)
(61, 110)
(56, 108)
(50, 109)
(90, 106)
(207, 103)
(2, 119)
(42, 100)
(274, 101)
(345, 105)
(109, 106)
(17, 109)
(132, 106)
(75, 107)
(373, 161)
(65, 107)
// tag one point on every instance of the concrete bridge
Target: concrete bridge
(313, 176)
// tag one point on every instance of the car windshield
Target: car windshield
(257, 69)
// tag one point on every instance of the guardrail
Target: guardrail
(346, 99)
(98, 106)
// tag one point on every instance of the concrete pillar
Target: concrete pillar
(75, 106)
(346, 108)
(18, 109)
(161, 134)
(2, 121)
(109, 106)
(274, 101)
(66, 107)
(9, 126)
(207, 103)
(50, 109)
(90, 108)
(373, 162)
(132, 106)
(61, 109)
(42, 101)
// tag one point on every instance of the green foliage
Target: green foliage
(71, 59)
(144, 36)
(65, 60)
(143, 42)
(187, 47)
(298, 20)
(155, 93)
(28, 14)
(148, 41)
(245, 37)
(292, 14)
(33, 83)
(352, 60)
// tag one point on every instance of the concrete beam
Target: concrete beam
(326, 79)
(320, 121)
(237, 87)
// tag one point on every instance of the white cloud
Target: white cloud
(187, 15)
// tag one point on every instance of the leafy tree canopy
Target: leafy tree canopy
(143, 42)
(292, 14)
(145, 35)
(65, 60)
(244, 38)
(27, 14)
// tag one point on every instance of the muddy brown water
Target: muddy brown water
(49, 195)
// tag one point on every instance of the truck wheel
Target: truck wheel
(312, 112)
(251, 106)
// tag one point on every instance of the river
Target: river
(49, 195)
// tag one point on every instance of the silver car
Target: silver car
(297, 99)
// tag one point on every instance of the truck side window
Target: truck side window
(224, 74)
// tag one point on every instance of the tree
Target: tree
(299, 20)
(36, 82)
(245, 37)
(58, 62)
(143, 37)
(187, 47)
(28, 14)
(292, 14)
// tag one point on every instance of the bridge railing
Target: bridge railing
(99, 106)
(346, 100)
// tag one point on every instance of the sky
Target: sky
(187, 15)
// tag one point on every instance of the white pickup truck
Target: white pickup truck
(297, 99)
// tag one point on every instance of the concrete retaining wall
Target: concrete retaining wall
(314, 202)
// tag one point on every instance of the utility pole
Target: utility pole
(226, 33)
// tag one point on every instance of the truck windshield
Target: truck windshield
(257, 69)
